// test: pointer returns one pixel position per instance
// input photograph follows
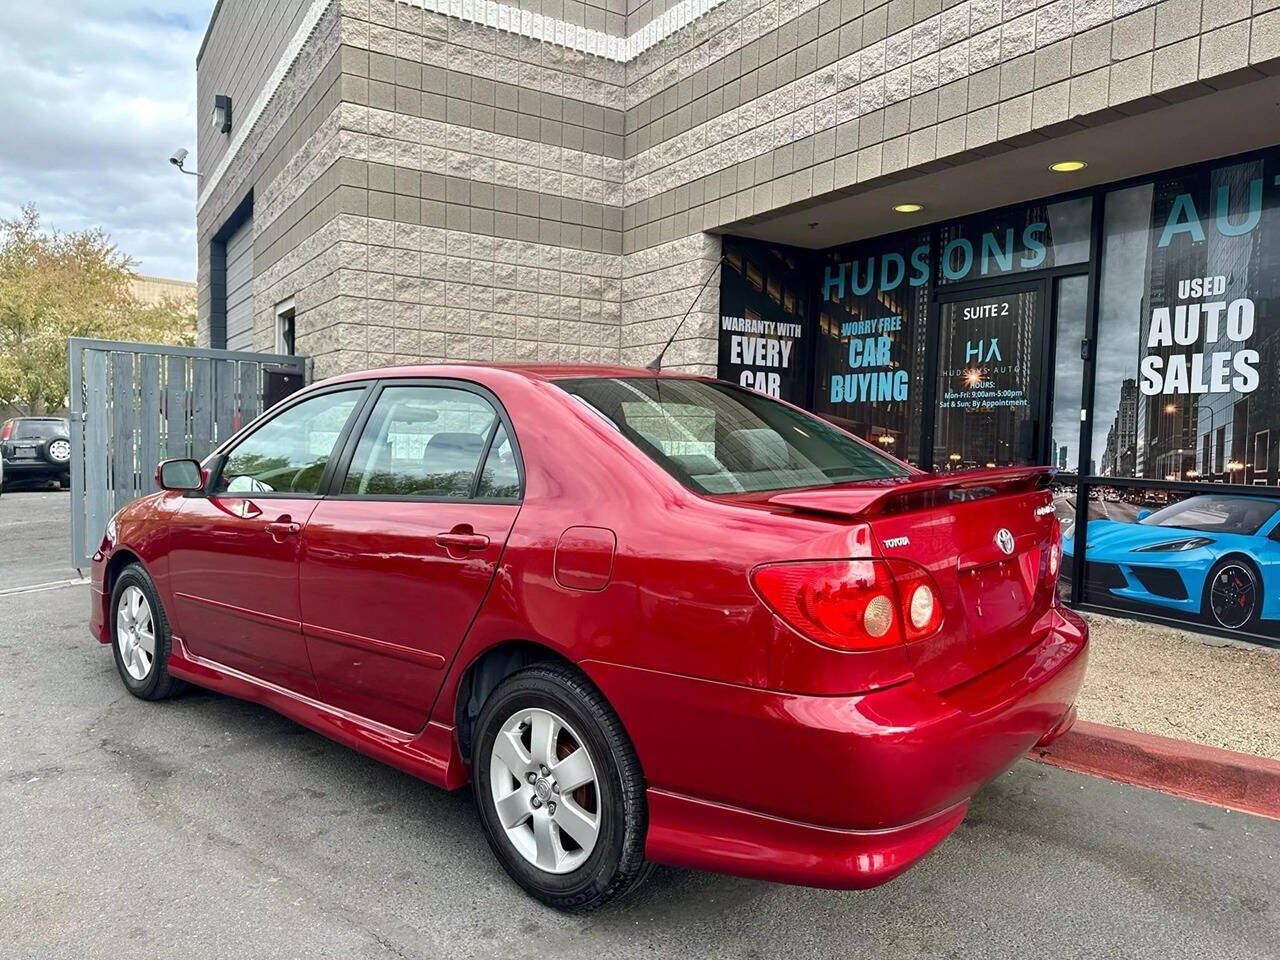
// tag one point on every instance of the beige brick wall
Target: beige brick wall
(462, 192)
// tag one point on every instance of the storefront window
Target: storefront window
(764, 319)
(1071, 314)
(1186, 390)
(989, 391)
(1015, 240)
(873, 314)
(1189, 328)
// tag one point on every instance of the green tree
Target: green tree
(57, 285)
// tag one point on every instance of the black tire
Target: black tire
(59, 446)
(1246, 582)
(64, 482)
(616, 864)
(156, 684)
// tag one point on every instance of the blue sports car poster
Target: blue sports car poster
(1213, 558)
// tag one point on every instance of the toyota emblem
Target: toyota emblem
(1004, 540)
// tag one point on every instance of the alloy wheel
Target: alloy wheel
(1233, 596)
(544, 788)
(135, 632)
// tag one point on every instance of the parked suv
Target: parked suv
(36, 448)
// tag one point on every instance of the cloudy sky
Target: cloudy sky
(94, 97)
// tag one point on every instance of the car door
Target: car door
(398, 559)
(233, 551)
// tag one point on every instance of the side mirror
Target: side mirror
(1143, 514)
(183, 475)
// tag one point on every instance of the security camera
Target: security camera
(179, 158)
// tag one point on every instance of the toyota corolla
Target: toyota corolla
(650, 618)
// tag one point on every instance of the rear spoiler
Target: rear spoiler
(917, 492)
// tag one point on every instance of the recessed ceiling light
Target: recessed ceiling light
(908, 208)
(1068, 166)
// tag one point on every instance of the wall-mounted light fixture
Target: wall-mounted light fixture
(221, 116)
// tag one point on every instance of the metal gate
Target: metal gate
(135, 404)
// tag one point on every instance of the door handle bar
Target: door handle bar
(462, 541)
(283, 528)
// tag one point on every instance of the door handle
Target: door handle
(456, 540)
(280, 529)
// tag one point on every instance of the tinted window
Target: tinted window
(1212, 513)
(501, 476)
(289, 453)
(39, 429)
(718, 438)
(421, 442)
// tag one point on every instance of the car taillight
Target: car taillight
(1051, 562)
(7, 431)
(851, 604)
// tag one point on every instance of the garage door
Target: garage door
(240, 288)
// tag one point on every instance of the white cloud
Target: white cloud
(94, 97)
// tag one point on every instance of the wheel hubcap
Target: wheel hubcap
(60, 450)
(135, 633)
(544, 789)
(1233, 595)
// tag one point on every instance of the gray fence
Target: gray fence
(135, 404)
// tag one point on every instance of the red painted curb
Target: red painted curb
(1237, 781)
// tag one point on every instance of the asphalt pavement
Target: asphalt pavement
(35, 540)
(207, 827)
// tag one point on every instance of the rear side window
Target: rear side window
(500, 479)
(718, 438)
(422, 442)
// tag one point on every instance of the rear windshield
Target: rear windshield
(38, 429)
(718, 438)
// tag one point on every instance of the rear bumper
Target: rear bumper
(13, 469)
(709, 836)
(834, 791)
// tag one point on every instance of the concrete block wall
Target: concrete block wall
(465, 192)
(274, 162)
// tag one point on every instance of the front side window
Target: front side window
(289, 453)
(717, 438)
(422, 442)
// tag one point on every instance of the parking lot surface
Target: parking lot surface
(207, 827)
(35, 543)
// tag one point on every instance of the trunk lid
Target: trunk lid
(985, 539)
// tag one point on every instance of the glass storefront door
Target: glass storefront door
(989, 398)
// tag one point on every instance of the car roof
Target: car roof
(530, 371)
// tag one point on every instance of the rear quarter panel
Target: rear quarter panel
(680, 599)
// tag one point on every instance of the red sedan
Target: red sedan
(652, 618)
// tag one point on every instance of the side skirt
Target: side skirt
(430, 755)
